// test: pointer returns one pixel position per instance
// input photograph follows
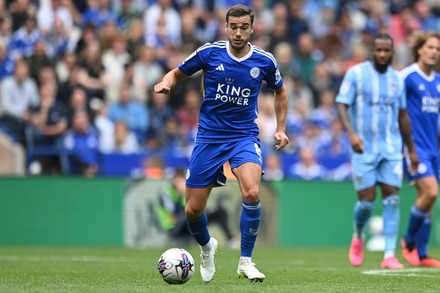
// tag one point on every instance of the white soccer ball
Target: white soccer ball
(176, 266)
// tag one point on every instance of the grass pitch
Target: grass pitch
(61, 269)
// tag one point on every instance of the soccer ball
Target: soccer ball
(176, 266)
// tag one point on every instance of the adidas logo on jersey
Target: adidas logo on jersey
(220, 67)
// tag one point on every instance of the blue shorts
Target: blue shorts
(428, 166)
(207, 159)
(368, 170)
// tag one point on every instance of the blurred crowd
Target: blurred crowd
(77, 76)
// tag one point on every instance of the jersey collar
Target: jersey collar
(423, 74)
(249, 54)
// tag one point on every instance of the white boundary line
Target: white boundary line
(72, 258)
(413, 272)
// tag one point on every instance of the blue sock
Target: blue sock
(415, 221)
(199, 229)
(422, 237)
(362, 212)
(391, 216)
(249, 224)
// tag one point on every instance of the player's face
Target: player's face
(430, 52)
(239, 30)
(382, 54)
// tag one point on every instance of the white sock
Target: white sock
(245, 259)
(207, 246)
(388, 254)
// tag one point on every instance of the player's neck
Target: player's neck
(238, 53)
(426, 69)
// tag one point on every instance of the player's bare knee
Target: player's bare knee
(193, 213)
(251, 195)
(431, 196)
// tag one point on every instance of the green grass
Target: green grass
(61, 269)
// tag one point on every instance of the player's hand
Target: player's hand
(162, 88)
(414, 162)
(281, 140)
(356, 143)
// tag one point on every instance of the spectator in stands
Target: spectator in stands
(125, 140)
(18, 93)
(147, 72)
(273, 169)
(135, 38)
(39, 59)
(49, 11)
(20, 10)
(89, 34)
(283, 53)
(297, 22)
(188, 113)
(280, 30)
(23, 41)
(307, 168)
(325, 113)
(67, 87)
(48, 123)
(93, 77)
(5, 28)
(57, 39)
(64, 64)
(171, 138)
(115, 60)
(127, 14)
(104, 126)
(7, 64)
(81, 144)
(338, 145)
(307, 56)
(171, 212)
(158, 111)
(99, 13)
(300, 91)
(131, 111)
(163, 25)
(266, 120)
(78, 102)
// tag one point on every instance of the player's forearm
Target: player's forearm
(344, 118)
(281, 106)
(173, 77)
(405, 130)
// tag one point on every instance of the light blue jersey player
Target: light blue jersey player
(423, 97)
(371, 105)
(233, 72)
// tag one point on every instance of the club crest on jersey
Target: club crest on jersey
(255, 72)
(393, 87)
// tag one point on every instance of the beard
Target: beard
(381, 67)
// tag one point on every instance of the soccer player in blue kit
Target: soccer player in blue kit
(423, 99)
(371, 105)
(233, 72)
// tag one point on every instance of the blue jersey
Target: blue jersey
(230, 88)
(375, 100)
(423, 98)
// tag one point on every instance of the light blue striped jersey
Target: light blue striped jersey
(423, 99)
(230, 88)
(374, 101)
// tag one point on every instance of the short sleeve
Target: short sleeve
(347, 90)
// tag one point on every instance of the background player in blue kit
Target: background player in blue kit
(375, 96)
(233, 72)
(423, 98)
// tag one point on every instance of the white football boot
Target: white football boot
(246, 269)
(207, 266)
